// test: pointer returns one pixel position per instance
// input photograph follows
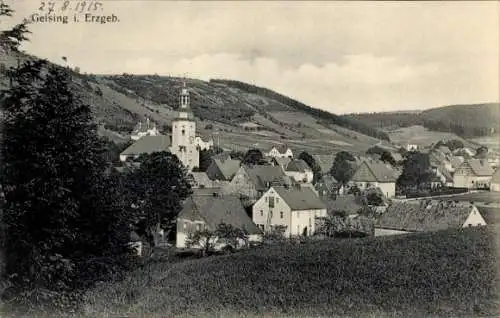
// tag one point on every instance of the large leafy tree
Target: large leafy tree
(253, 157)
(416, 171)
(60, 208)
(155, 192)
(343, 167)
(311, 162)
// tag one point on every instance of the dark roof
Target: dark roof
(348, 203)
(261, 175)
(201, 179)
(127, 167)
(148, 144)
(479, 167)
(422, 215)
(297, 165)
(300, 198)
(374, 172)
(214, 210)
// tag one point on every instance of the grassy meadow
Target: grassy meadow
(443, 274)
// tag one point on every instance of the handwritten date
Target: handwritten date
(74, 6)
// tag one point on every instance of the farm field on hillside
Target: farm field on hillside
(442, 274)
(423, 137)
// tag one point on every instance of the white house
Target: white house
(425, 216)
(411, 147)
(377, 175)
(203, 145)
(206, 209)
(147, 129)
(293, 207)
(473, 174)
(495, 181)
(299, 171)
(280, 152)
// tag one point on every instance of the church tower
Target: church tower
(184, 133)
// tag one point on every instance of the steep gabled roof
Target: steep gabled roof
(228, 167)
(300, 198)
(297, 165)
(420, 216)
(479, 167)
(374, 172)
(261, 175)
(148, 144)
(214, 210)
(282, 148)
(201, 179)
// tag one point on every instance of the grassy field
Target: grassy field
(442, 274)
(486, 197)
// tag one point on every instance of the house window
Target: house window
(271, 202)
(185, 226)
(281, 214)
(277, 200)
(261, 226)
(271, 213)
(261, 213)
(198, 227)
(265, 199)
(183, 132)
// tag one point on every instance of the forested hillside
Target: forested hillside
(475, 120)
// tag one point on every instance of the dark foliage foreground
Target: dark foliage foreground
(442, 274)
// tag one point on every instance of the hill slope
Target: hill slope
(443, 274)
(475, 120)
(235, 115)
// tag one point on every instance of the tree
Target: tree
(11, 39)
(206, 157)
(481, 152)
(207, 239)
(374, 196)
(311, 162)
(342, 169)
(416, 171)
(155, 191)
(60, 211)
(237, 155)
(388, 158)
(253, 157)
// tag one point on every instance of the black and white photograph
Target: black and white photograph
(164, 158)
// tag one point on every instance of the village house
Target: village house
(411, 147)
(298, 170)
(473, 174)
(377, 175)
(203, 145)
(251, 181)
(426, 216)
(146, 145)
(201, 180)
(495, 181)
(280, 151)
(327, 186)
(223, 169)
(292, 207)
(147, 129)
(205, 210)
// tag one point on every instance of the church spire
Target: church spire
(184, 97)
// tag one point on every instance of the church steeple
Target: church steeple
(184, 97)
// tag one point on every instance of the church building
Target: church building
(184, 133)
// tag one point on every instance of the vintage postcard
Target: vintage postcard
(249, 158)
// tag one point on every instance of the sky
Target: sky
(342, 57)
